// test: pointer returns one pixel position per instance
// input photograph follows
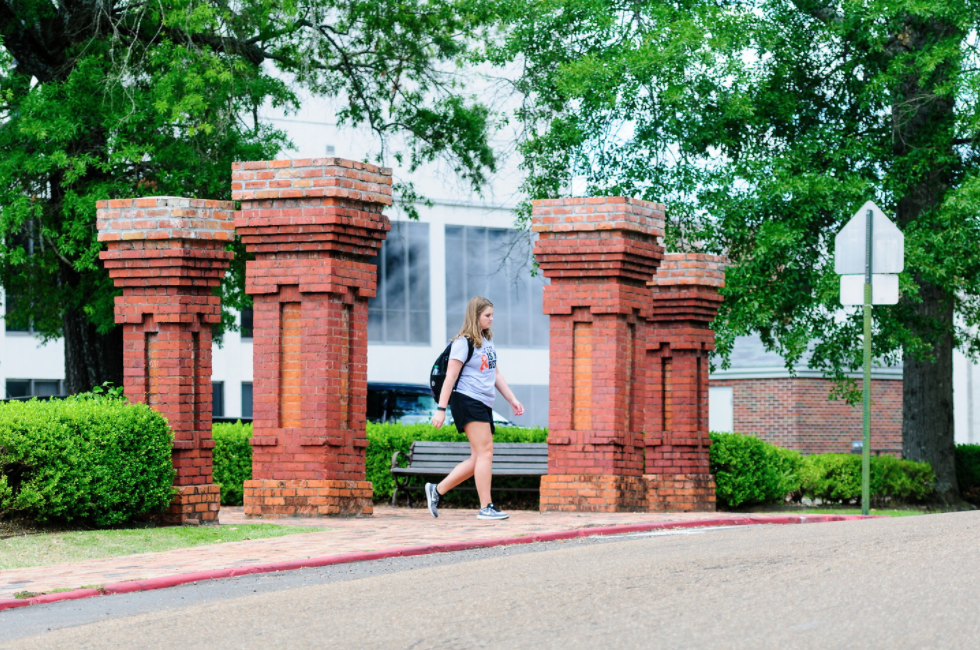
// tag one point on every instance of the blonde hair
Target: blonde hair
(471, 322)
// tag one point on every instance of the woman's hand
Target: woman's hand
(517, 407)
(439, 419)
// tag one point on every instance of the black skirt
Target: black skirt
(466, 409)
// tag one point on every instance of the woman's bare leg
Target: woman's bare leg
(459, 474)
(481, 442)
(479, 464)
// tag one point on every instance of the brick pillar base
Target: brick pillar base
(194, 504)
(308, 498)
(680, 492)
(167, 254)
(315, 227)
(685, 297)
(592, 493)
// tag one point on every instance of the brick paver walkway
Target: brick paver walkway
(389, 528)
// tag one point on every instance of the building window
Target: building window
(400, 311)
(247, 315)
(217, 399)
(246, 399)
(496, 263)
(22, 240)
(9, 305)
(18, 388)
(33, 388)
(721, 409)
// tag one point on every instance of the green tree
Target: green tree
(763, 125)
(117, 99)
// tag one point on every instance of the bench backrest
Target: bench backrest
(508, 457)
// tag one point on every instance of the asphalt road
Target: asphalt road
(911, 582)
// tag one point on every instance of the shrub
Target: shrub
(90, 458)
(836, 478)
(232, 460)
(968, 472)
(749, 471)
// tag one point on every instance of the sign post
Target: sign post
(872, 246)
(866, 387)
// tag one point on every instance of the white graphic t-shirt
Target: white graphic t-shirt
(478, 377)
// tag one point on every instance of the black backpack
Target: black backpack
(437, 377)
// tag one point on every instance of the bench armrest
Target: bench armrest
(394, 459)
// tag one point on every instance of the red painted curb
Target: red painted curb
(346, 558)
(10, 603)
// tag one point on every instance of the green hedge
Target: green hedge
(91, 458)
(749, 471)
(232, 460)
(968, 472)
(836, 478)
(233, 455)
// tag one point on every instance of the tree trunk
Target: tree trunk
(90, 358)
(927, 399)
(923, 126)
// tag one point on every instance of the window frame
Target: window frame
(32, 387)
(218, 388)
(454, 313)
(415, 306)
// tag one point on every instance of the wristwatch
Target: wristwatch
(440, 408)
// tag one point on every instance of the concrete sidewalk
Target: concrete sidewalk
(389, 528)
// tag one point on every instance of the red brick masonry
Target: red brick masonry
(630, 339)
(166, 254)
(796, 413)
(599, 254)
(313, 225)
(679, 341)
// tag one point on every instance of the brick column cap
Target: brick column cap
(307, 178)
(688, 270)
(165, 217)
(598, 213)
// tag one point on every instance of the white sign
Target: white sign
(884, 289)
(888, 244)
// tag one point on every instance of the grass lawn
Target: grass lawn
(832, 510)
(881, 512)
(57, 548)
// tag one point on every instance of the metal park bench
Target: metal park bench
(434, 459)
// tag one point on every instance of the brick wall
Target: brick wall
(679, 341)
(797, 413)
(167, 254)
(312, 225)
(599, 253)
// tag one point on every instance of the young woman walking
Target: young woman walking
(472, 404)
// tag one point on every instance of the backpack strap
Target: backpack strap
(469, 355)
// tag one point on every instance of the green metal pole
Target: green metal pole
(866, 444)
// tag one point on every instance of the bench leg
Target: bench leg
(394, 496)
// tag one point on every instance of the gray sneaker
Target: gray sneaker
(491, 512)
(432, 498)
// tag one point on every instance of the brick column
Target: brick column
(599, 254)
(312, 226)
(679, 343)
(166, 254)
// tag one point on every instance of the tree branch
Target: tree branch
(820, 10)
